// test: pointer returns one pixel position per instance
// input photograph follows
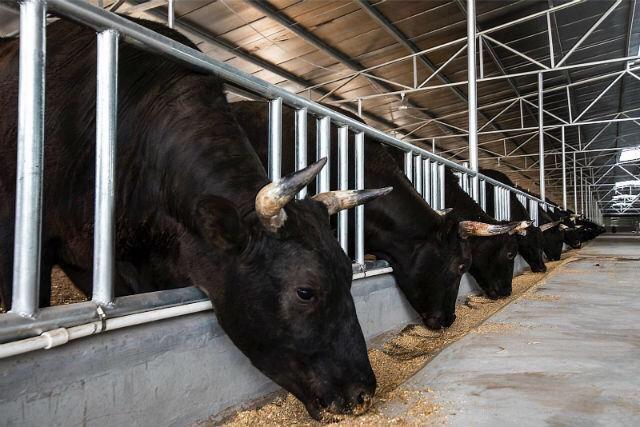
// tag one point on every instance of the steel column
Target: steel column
(275, 139)
(564, 171)
(359, 158)
(417, 181)
(541, 138)
(106, 139)
(435, 189)
(426, 181)
(408, 165)
(575, 185)
(170, 13)
(28, 224)
(441, 173)
(483, 195)
(343, 184)
(323, 149)
(301, 146)
(472, 95)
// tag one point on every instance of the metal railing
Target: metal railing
(424, 169)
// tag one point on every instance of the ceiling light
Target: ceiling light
(627, 184)
(624, 197)
(404, 102)
(629, 154)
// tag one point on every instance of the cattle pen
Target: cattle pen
(470, 156)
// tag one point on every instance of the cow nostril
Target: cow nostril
(360, 398)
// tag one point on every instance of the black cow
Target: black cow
(571, 231)
(492, 257)
(194, 207)
(530, 241)
(427, 250)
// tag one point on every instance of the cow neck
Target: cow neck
(464, 206)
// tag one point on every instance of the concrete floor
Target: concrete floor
(568, 355)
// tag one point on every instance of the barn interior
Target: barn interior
(548, 94)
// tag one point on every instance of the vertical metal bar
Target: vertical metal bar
(575, 185)
(359, 155)
(564, 171)
(521, 116)
(507, 202)
(481, 55)
(496, 202)
(417, 166)
(433, 145)
(408, 165)
(551, 54)
(541, 137)
(569, 107)
(435, 188)
(275, 139)
(441, 185)
(472, 94)
(415, 72)
(426, 181)
(106, 139)
(323, 180)
(343, 184)
(170, 13)
(301, 145)
(483, 195)
(465, 178)
(28, 224)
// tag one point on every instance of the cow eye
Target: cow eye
(511, 255)
(305, 294)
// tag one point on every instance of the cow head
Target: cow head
(428, 265)
(280, 285)
(573, 236)
(553, 238)
(493, 256)
(530, 246)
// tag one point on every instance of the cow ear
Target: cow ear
(219, 222)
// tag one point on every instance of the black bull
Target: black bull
(530, 242)
(493, 257)
(428, 251)
(187, 214)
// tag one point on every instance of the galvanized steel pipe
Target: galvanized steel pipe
(28, 224)
(301, 145)
(105, 195)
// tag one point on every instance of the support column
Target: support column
(26, 248)
(564, 172)
(575, 185)
(541, 139)
(472, 95)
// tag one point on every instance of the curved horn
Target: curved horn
(549, 225)
(521, 228)
(275, 195)
(564, 227)
(476, 228)
(443, 212)
(335, 201)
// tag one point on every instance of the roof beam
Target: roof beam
(273, 13)
(414, 49)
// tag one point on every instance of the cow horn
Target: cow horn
(564, 227)
(275, 195)
(549, 225)
(443, 212)
(476, 228)
(521, 228)
(336, 201)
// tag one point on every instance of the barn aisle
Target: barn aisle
(566, 354)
